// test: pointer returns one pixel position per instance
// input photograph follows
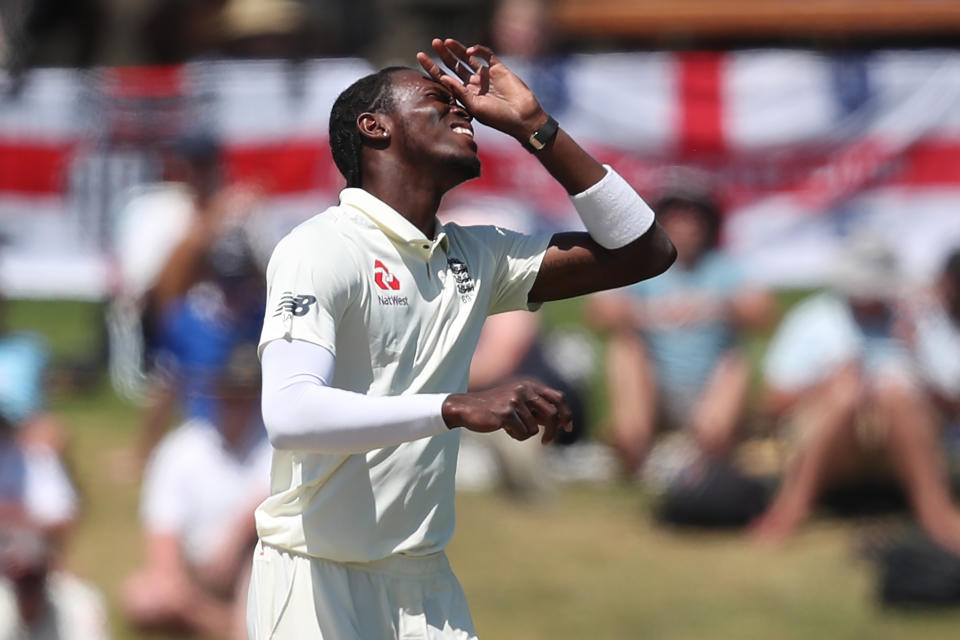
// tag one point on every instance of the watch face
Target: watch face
(536, 144)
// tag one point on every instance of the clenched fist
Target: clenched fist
(520, 408)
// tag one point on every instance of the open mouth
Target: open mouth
(462, 129)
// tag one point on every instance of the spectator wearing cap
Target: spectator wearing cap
(38, 602)
(200, 489)
(673, 359)
(844, 383)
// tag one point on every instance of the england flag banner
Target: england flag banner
(801, 150)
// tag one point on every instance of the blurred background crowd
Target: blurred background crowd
(802, 354)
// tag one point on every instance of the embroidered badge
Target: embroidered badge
(461, 276)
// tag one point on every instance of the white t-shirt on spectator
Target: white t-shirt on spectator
(195, 488)
(33, 477)
(937, 346)
(820, 334)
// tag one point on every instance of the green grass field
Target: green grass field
(588, 564)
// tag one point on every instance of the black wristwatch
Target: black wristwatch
(542, 136)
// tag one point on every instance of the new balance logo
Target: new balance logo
(294, 305)
(384, 279)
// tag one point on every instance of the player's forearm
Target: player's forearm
(182, 268)
(305, 415)
(623, 244)
(163, 554)
(571, 166)
(301, 411)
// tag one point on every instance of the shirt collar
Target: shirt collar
(400, 230)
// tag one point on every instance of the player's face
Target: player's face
(431, 126)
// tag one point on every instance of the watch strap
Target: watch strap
(542, 136)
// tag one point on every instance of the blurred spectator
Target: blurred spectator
(511, 345)
(936, 336)
(200, 489)
(842, 379)
(672, 357)
(35, 490)
(38, 602)
(523, 30)
(23, 378)
(193, 286)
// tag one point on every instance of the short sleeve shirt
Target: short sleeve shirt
(937, 346)
(34, 478)
(402, 313)
(685, 354)
(820, 334)
(195, 488)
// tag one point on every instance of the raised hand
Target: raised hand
(518, 407)
(492, 93)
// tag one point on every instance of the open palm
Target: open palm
(489, 90)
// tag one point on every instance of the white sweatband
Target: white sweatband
(301, 411)
(613, 213)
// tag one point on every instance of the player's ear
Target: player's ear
(374, 127)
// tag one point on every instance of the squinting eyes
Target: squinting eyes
(448, 99)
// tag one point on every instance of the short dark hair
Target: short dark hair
(370, 93)
(703, 205)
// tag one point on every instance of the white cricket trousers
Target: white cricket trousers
(294, 597)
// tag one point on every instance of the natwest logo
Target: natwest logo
(384, 279)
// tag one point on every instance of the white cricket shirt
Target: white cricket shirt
(402, 313)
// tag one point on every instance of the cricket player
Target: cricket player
(374, 309)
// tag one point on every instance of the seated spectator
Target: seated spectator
(38, 602)
(200, 489)
(511, 345)
(935, 333)
(24, 357)
(673, 362)
(35, 491)
(843, 381)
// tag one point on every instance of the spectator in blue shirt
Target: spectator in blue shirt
(673, 360)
